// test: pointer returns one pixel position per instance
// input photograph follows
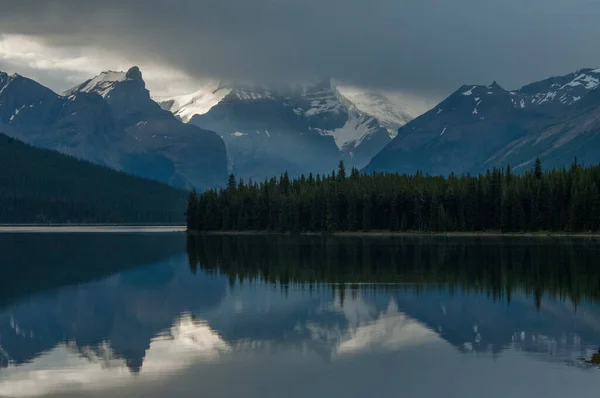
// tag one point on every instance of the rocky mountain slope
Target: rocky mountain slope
(478, 127)
(111, 120)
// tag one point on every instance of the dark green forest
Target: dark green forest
(43, 186)
(499, 267)
(565, 199)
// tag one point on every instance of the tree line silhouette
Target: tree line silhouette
(44, 186)
(557, 200)
(498, 267)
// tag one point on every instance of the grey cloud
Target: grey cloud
(415, 45)
(58, 80)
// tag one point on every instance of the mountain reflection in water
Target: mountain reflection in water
(130, 313)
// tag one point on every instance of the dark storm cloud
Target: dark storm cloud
(425, 45)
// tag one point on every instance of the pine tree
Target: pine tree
(191, 214)
(341, 171)
(231, 184)
(508, 175)
(537, 170)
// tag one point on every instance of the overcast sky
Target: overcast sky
(423, 46)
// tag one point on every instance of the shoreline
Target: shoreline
(39, 225)
(91, 228)
(488, 234)
(150, 228)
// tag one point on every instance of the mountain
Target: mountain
(392, 110)
(40, 186)
(111, 120)
(265, 136)
(300, 129)
(574, 135)
(478, 127)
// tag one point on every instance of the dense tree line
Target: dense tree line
(43, 186)
(556, 200)
(498, 267)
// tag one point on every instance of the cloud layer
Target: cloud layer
(425, 45)
(61, 68)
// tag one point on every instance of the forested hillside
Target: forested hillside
(557, 200)
(41, 186)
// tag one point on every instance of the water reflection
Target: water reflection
(496, 267)
(69, 366)
(141, 316)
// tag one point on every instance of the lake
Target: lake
(160, 314)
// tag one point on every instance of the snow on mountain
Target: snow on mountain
(323, 98)
(332, 114)
(391, 109)
(555, 92)
(250, 93)
(564, 90)
(197, 103)
(354, 132)
(101, 84)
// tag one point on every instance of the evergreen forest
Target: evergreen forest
(566, 199)
(43, 186)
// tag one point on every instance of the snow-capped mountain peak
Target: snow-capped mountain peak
(560, 91)
(105, 82)
(481, 126)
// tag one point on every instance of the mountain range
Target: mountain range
(476, 128)
(480, 127)
(111, 120)
(260, 131)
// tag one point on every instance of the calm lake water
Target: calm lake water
(163, 315)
